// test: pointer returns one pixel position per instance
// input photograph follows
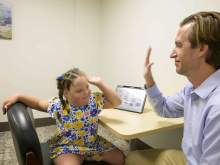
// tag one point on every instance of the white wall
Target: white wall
(130, 26)
(49, 37)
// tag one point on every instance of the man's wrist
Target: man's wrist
(146, 85)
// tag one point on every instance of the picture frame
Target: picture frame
(5, 20)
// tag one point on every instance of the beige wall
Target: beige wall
(49, 37)
(130, 26)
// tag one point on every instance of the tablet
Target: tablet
(133, 98)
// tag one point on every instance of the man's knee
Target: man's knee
(171, 157)
(140, 157)
(155, 157)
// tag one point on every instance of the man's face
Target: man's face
(186, 58)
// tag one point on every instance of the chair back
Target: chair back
(25, 139)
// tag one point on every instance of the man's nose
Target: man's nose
(173, 54)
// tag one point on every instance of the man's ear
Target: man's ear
(204, 48)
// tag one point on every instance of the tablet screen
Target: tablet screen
(133, 98)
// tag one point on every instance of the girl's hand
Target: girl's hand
(97, 81)
(8, 102)
(111, 97)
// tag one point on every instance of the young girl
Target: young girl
(76, 113)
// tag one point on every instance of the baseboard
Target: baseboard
(39, 122)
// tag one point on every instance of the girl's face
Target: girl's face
(79, 91)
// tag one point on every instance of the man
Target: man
(196, 56)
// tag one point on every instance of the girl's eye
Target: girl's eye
(78, 91)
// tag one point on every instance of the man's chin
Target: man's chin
(180, 72)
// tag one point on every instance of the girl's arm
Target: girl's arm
(30, 101)
(112, 98)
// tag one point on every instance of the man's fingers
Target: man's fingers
(148, 55)
(150, 65)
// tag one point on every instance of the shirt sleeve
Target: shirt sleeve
(54, 107)
(211, 141)
(166, 106)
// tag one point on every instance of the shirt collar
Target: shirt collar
(208, 85)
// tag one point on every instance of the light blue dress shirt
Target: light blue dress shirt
(201, 110)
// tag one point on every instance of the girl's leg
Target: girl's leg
(68, 159)
(113, 157)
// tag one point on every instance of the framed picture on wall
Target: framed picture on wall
(5, 20)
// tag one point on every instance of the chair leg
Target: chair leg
(31, 159)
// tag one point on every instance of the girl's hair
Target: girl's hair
(64, 82)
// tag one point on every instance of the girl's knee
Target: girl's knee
(114, 157)
(121, 158)
(68, 159)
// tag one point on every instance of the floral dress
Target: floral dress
(77, 129)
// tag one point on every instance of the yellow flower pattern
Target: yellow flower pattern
(79, 142)
(68, 125)
(91, 138)
(79, 114)
(81, 133)
(77, 128)
(78, 125)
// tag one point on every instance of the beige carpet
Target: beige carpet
(7, 152)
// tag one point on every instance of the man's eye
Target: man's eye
(179, 45)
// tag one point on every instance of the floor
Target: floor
(7, 151)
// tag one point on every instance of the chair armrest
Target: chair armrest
(23, 133)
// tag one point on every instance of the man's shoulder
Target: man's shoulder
(214, 97)
(216, 93)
